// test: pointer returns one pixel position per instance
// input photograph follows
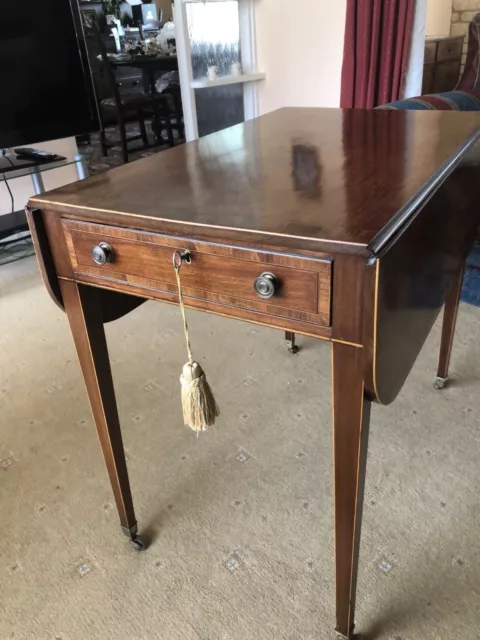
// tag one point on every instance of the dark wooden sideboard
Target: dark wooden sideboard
(442, 63)
(365, 219)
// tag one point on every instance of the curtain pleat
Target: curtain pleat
(378, 36)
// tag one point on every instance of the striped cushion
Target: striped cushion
(452, 101)
(448, 101)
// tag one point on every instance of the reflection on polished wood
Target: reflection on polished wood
(240, 179)
(363, 218)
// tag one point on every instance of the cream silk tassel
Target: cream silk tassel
(199, 406)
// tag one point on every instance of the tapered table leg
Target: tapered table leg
(448, 330)
(84, 310)
(351, 418)
(291, 342)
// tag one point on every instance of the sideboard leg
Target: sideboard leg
(84, 310)
(448, 331)
(351, 419)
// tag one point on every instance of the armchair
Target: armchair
(465, 97)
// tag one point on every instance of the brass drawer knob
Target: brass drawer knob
(102, 253)
(265, 285)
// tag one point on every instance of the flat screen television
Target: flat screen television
(46, 89)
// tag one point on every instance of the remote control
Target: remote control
(35, 154)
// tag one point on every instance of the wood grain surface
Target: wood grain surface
(371, 169)
(351, 423)
(84, 311)
(221, 274)
(414, 277)
(366, 218)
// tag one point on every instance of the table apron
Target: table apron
(220, 278)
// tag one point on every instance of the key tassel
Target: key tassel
(200, 408)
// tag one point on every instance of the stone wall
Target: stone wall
(462, 12)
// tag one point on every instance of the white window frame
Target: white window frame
(250, 74)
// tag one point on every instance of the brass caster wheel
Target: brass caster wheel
(290, 341)
(139, 544)
(439, 383)
(352, 636)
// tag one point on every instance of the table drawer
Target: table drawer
(430, 52)
(126, 71)
(446, 76)
(127, 84)
(428, 78)
(220, 274)
(450, 50)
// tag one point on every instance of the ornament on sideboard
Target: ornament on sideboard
(142, 48)
(212, 72)
(166, 38)
(306, 170)
(236, 69)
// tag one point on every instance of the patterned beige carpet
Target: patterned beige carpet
(241, 518)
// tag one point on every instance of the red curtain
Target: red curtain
(378, 36)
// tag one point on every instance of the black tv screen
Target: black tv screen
(46, 88)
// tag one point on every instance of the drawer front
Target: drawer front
(219, 274)
(122, 71)
(428, 79)
(129, 83)
(446, 76)
(430, 52)
(450, 50)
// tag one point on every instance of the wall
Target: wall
(463, 12)
(301, 52)
(439, 14)
(414, 79)
(22, 188)
(166, 5)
